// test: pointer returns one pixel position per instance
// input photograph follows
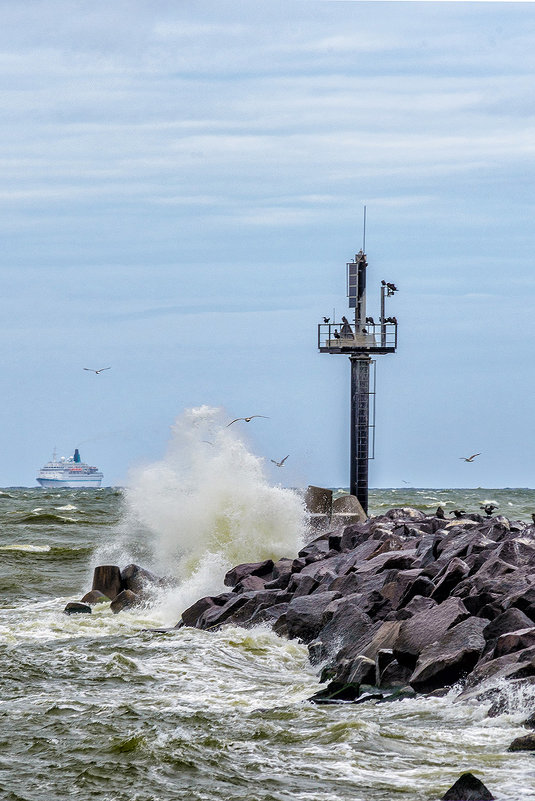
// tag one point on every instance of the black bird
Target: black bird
(488, 508)
(533, 517)
(383, 283)
(370, 320)
(247, 419)
(458, 513)
(345, 320)
(280, 464)
(326, 319)
(336, 335)
(392, 287)
(440, 513)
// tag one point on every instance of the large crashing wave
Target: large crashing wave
(207, 506)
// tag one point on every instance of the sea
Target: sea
(101, 706)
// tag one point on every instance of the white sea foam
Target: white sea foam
(23, 547)
(207, 506)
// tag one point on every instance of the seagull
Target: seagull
(469, 458)
(280, 464)
(91, 370)
(247, 419)
(326, 319)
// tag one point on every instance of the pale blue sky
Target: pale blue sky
(182, 185)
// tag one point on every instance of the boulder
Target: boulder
(425, 628)
(236, 574)
(95, 597)
(77, 608)
(514, 641)
(125, 600)
(305, 615)
(107, 579)
(451, 657)
(510, 620)
(191, 615)
(468, 788)
(137, 579)
(525, 743)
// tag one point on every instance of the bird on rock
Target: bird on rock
(458, 513)
(488, 508)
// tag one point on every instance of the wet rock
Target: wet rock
(514, 641)
(525, 743)
(137, 579)
(425, 628)
(468, 788)
(125, 600)
(191, 615)
(454, 655)
(529, 721)
(249, 583)
(239, 572)
(305, 615)
(77, 608)
(107, 579)
(510, 620)
(336, 692)
(362, 671)
(95, 597)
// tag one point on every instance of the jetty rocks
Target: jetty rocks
(403, 601)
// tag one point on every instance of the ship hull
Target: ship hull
(70, 483)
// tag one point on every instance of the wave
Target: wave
(45, 518)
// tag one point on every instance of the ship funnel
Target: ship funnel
(77, 455)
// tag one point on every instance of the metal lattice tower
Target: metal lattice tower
(360, 340)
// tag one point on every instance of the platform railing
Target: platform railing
(340, 337)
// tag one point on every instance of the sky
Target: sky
(182, 186)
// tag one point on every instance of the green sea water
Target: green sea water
(98, 706)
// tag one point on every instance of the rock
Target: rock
(525, 743)
(510, 620)
(362, 671)
(514, 641)
(248, 569)
(304, 616)
(249, 583)
(137, 579)
(336, 692)
(95, 597)
(468, 788)
(191, 615)
(445, 661)
(347, 509)
(107, 579)
(77, 608)
(529, 721)
(125, 600)
(455, 571)
(425, 628)
(318, 500)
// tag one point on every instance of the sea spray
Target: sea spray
(207, 506)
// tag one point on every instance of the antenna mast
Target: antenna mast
(360, 341)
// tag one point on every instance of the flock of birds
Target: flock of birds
(281, 462)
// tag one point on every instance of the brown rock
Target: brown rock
(125, 600)
(107, 579)
(455, 654)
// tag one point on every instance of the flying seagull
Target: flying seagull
(469, 458)
(97, 371)
(247, 419)
(280, 464)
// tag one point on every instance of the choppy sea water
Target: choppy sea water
(98, 707)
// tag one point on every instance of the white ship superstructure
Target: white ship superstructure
(69, 472)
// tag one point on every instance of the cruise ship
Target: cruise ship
(69, 472)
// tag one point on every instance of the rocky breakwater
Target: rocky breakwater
(404, 601)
